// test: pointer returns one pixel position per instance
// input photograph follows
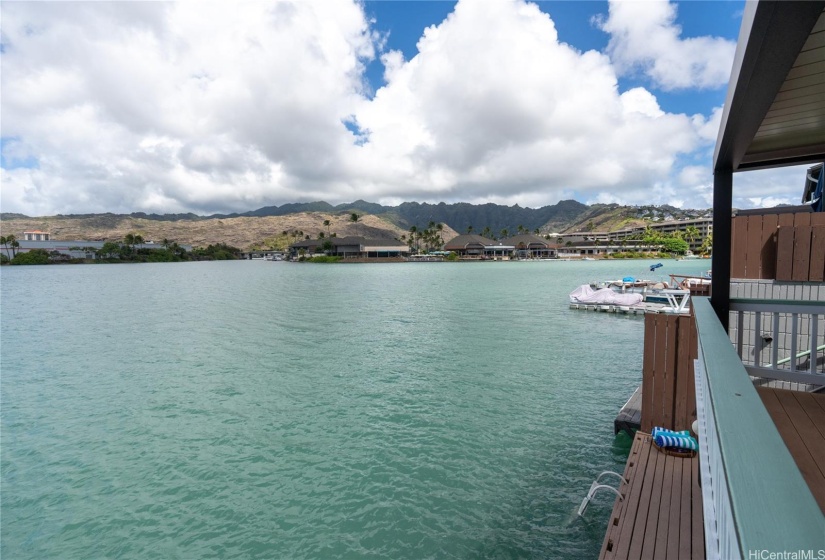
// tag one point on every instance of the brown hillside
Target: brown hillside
(244, 233)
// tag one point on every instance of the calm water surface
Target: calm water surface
(275, 410)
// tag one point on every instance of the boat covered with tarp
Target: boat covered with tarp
(604, 296)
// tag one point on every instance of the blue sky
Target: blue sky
(173, 107)
(404, 21)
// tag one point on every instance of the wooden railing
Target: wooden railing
(781, 339)
(755, 498)
(788, 247)
(668, 392)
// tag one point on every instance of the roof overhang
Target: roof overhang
(775, 108)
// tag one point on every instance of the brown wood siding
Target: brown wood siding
(668, 391)
(786, 247)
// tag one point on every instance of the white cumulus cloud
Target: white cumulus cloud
(228, 107)
(645, 38)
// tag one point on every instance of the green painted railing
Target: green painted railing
(764, 338)
(755, 499)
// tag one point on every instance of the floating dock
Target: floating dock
(629, 418)
(641, 309)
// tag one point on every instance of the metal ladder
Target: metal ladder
(596, 486)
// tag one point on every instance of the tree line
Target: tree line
(131, 249)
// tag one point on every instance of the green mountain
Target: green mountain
(567, 215)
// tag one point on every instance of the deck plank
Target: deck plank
(643, 547)
(661, 515)
(674, 526)
(697, 524)
(660, 550)
(814, 406)
(638, 456)
(685, 513)
(632, 508)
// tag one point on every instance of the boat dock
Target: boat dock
(629, 418)
(640, 309)
(676, 303)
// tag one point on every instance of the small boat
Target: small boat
(650, 290)
(688, 256)
(668, 301)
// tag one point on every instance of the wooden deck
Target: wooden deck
(630, 416)
(660, 516)
(800, 419)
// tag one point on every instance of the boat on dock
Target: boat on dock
(608, 301)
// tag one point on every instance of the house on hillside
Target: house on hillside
(36, 235)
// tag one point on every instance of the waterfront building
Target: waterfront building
(524, 246)
(601, 249)
(531, 246)
(78, 248)
(352, 247)
(701, 229)
(468, 245)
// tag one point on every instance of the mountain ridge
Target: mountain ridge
(249, 229)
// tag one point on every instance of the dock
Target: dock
(644, 308)
(660, 514)
(629, 418)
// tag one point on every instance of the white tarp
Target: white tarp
(605, 296)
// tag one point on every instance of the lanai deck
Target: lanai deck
(660, 516)
(800, 419)
(661, 513)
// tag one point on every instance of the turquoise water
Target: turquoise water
(275, 410)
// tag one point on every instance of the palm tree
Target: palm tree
(132, 239)
(4, 242)
(707, 245)
(691, 233)
(326, 223)
(487, 232)
(129, 240)
(469, 229)
(504, 233)
(440, 228)
(354, 219)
